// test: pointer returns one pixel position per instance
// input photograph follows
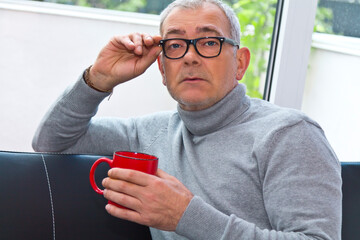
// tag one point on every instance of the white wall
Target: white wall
(332, 92)
(42, 53)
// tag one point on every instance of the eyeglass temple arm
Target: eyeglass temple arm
(232, 42)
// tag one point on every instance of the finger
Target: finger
(157, 39)
(148, 40)
(125, 214)
(153, 54)
(151, 40)
(150, 55)
(122, 199)
(138, 42)
(129, 175)
(122, 186)
(125, 41)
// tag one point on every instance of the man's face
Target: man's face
(194, 81)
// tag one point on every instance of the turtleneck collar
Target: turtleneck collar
(217, 116)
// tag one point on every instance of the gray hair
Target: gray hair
(193, 4)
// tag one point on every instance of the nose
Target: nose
(192, 57)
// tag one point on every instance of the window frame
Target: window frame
(290, 52)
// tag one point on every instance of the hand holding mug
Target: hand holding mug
(128, 160)
(156, 201)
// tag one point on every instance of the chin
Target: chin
(195, 104)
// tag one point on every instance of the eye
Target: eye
(174, 45)
(210, 43)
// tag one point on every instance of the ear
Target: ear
(243, 60)
(161, 68)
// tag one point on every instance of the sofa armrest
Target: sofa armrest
(48, 196)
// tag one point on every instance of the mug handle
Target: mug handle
(92, 173)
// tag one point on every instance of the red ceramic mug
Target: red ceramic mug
(129, 160)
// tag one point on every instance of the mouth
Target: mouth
(193, 79)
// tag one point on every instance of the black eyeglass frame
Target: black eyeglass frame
(193, 42)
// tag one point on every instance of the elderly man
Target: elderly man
(230, 167)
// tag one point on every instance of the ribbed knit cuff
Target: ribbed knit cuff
(201, 221)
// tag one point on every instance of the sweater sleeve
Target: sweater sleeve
(301, 183)
(69, 125)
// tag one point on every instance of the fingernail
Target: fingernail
(107, 207)
(103, 181)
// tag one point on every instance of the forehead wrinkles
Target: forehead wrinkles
(209, 28)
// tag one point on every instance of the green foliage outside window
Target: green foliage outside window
(323, 21)
(256, 21)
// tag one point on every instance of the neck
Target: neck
(217, 116)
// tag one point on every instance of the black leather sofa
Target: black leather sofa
(48, 196)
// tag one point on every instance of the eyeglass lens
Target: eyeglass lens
(207, 47)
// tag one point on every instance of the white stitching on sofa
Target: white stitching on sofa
(51, 199)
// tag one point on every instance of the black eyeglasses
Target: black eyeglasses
(207, 47)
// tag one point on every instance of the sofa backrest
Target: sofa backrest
(48, 196)
(350, 172)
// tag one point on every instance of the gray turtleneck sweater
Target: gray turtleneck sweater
(257, 171)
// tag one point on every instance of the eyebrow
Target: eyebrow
(202, 29)
(175, 31)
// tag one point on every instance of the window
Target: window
(332, 85)
(339, 17)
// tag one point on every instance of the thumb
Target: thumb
(149, 58)
(154, 53)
